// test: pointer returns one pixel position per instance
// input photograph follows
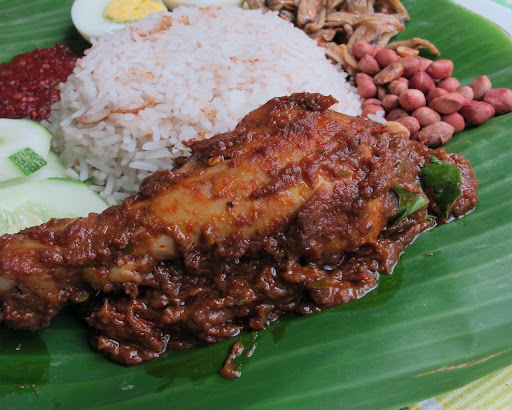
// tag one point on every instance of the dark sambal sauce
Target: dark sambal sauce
(29, 83)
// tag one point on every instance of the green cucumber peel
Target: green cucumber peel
(28, 160)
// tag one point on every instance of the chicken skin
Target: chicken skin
(290, 212)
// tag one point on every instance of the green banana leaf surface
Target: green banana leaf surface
(441, 320)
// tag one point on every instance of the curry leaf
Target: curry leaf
(408, 203)
(444, 179)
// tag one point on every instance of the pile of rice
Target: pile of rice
(192, 73)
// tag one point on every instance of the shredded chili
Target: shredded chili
(29, 84)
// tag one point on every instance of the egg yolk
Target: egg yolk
(125, 11)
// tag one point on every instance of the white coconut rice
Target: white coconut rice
(192, 73)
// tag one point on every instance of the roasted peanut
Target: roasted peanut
(410, 123)
(373, 109)
(411, 100)
(466, 92)
(398, 86)
(448, 103)
(385, 57)
(424, 63)
(421, 94)
(388, 74)
(436, 134)
(477, 112)
(410, 65)
(436, 92)
(362, 48)
(381, 92)
(440, 69)
(500, 99)
(456, 121)
(396, 114)
(390, 102)
(373, 101)
(450, 84)
(480, 86)
(369, 65)
(367, 89)
(422, 81)
(361, 77)
(426, 116)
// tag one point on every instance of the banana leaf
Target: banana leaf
(441, 320)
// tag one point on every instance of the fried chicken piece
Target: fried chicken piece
(289, 212)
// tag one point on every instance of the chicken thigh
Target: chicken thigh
(290, 212)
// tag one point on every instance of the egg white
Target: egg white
(87, 16)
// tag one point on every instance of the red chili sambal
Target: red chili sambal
(29, 84)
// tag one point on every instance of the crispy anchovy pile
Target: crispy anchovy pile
(338, 24)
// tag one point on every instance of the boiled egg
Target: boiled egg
(93, 18)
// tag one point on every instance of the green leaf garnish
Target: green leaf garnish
(320, 151)
(408, 203)
(444, 179)
(28, 160)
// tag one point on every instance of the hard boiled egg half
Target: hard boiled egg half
(93, 18)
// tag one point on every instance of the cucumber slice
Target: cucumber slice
(24, 147)
(52, 169)
(33, 203)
